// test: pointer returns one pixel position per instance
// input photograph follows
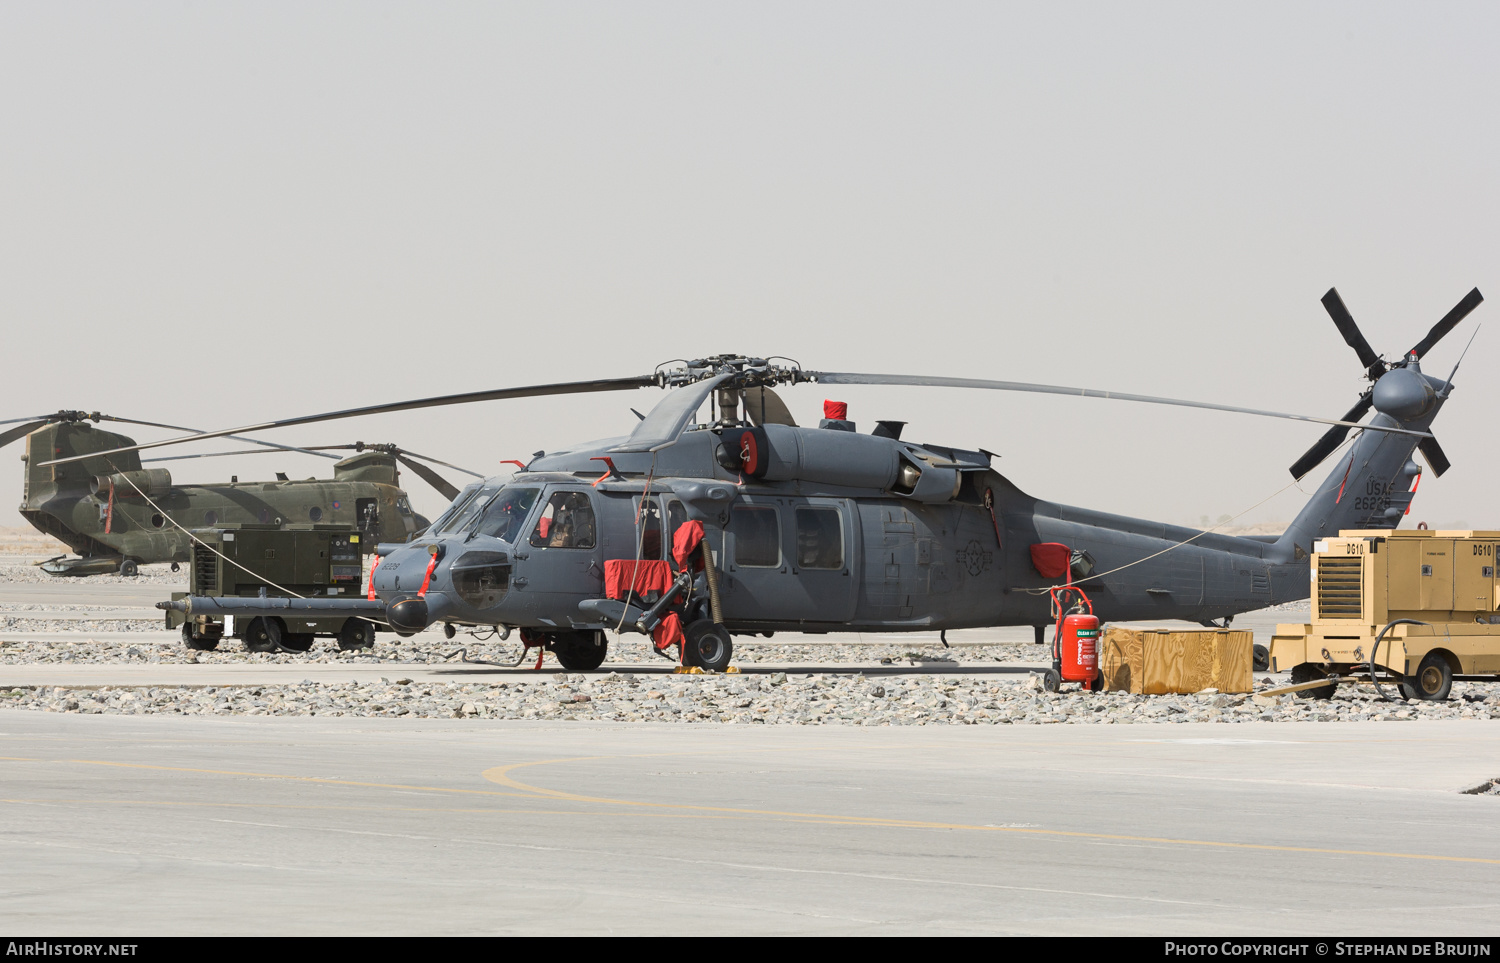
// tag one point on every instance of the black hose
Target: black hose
(1376, 648)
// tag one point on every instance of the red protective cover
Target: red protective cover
(689, 534)
(836, 410)
(669, 631)
(650, 576)
(1051, 559)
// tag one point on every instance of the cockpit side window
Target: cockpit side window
(566, 522)
(507, 512)
(648, 530)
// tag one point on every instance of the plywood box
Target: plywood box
(1158, 661)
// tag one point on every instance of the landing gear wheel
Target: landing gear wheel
(298, 642)
(580, 651)
(1432, 682)
(1307, 672)
(193, 642)
(356, 634)
(263, 635)
(708, 646)
(129, 569)
(1261, 660)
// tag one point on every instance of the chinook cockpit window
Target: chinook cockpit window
(566, 522)
(503, 517)
(465, 515)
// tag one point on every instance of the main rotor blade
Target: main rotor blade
(1433, 452)
(20, 431)
(1344, 321)
(1450, 320)
(444, 487)
(1331, 439)
(670, 416)
(435, 461)
(495, 394)
(847, 378)
(41, 418)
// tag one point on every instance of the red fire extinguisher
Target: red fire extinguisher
(1075, 640)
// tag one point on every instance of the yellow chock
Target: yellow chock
(688, 670)
(732, 670)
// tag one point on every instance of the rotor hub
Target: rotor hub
(1403, 393)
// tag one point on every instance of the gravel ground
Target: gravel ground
(802, 699)
(772, 699)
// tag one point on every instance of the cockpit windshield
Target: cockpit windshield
(503, 518)
(465, 514)
(459, 502)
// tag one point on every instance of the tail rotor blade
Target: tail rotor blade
(429, 476)
(1331, 439)
(1344, 321)
(1433, 452)
(1450, 320)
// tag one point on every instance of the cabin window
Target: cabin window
(315, 514)
(507, 512)
(210, 518)
(648, 530)
(566, 522)
(676, 518)
(757, 537)
(820, 538)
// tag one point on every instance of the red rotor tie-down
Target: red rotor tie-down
(372, 596)
(427, 579)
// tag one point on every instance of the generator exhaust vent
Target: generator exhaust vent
(1340, 588)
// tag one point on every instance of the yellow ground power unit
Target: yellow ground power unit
(1413, 608)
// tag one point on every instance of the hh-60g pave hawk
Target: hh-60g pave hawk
(827, 529)
(97, 505)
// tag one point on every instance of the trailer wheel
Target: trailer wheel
(708, 646)
(193, 642)
(298, 642)
(262, 635)
(356, 634)
(580, 651)
(1307, 672)
(1432, 681)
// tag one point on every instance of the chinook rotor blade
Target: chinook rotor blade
(1433, 452)
(848, 378)
(494, 394)
(443, 486)
(1344, 321)
(1331, 439)
(670, 416)
(1450, 320)
(20, 431)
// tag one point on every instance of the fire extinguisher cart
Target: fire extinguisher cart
(1075, 641)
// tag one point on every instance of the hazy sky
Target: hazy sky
(216, 213)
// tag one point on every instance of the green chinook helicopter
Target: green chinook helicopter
(118, 513)
(748, 524)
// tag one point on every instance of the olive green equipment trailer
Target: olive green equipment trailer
(266, 562)
(1416, 609)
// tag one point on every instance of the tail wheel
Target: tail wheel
(1432, 682)
(356, 634)
(580, 651)
(708, 646)
(263, 635)
(1307, 672)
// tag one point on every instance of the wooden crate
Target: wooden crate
(1157, 661)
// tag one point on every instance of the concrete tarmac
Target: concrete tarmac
(169, 825)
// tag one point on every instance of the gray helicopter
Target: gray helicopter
(748, 524)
